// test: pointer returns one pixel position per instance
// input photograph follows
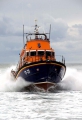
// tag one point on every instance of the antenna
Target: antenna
(35, 22)
(49, 31)
(23, 35)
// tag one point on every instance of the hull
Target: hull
(44, 74)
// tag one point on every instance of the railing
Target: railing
(58, 58)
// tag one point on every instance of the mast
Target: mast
(36, 27)
(23, 35)
(49, 31)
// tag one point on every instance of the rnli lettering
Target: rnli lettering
(27, 71)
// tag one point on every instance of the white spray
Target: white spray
(72, 80)
(8, 83)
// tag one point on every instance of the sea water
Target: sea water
(62, 104)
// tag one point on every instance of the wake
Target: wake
(71, 81)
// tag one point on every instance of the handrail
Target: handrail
(62, 58)
(43, 58)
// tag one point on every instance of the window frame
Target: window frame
(41, 51)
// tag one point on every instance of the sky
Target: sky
(65, 17)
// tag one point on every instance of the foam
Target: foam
(72, 80)
(8, 83)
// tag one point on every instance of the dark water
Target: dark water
(62, 104)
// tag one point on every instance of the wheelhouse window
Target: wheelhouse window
(27, 53)
(40, 53)
(52, 53)
(48, 53)
(33, 53)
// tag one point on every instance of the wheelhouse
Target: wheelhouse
(40, 53)
(37, 55)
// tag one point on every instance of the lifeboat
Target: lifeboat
(37, 63)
